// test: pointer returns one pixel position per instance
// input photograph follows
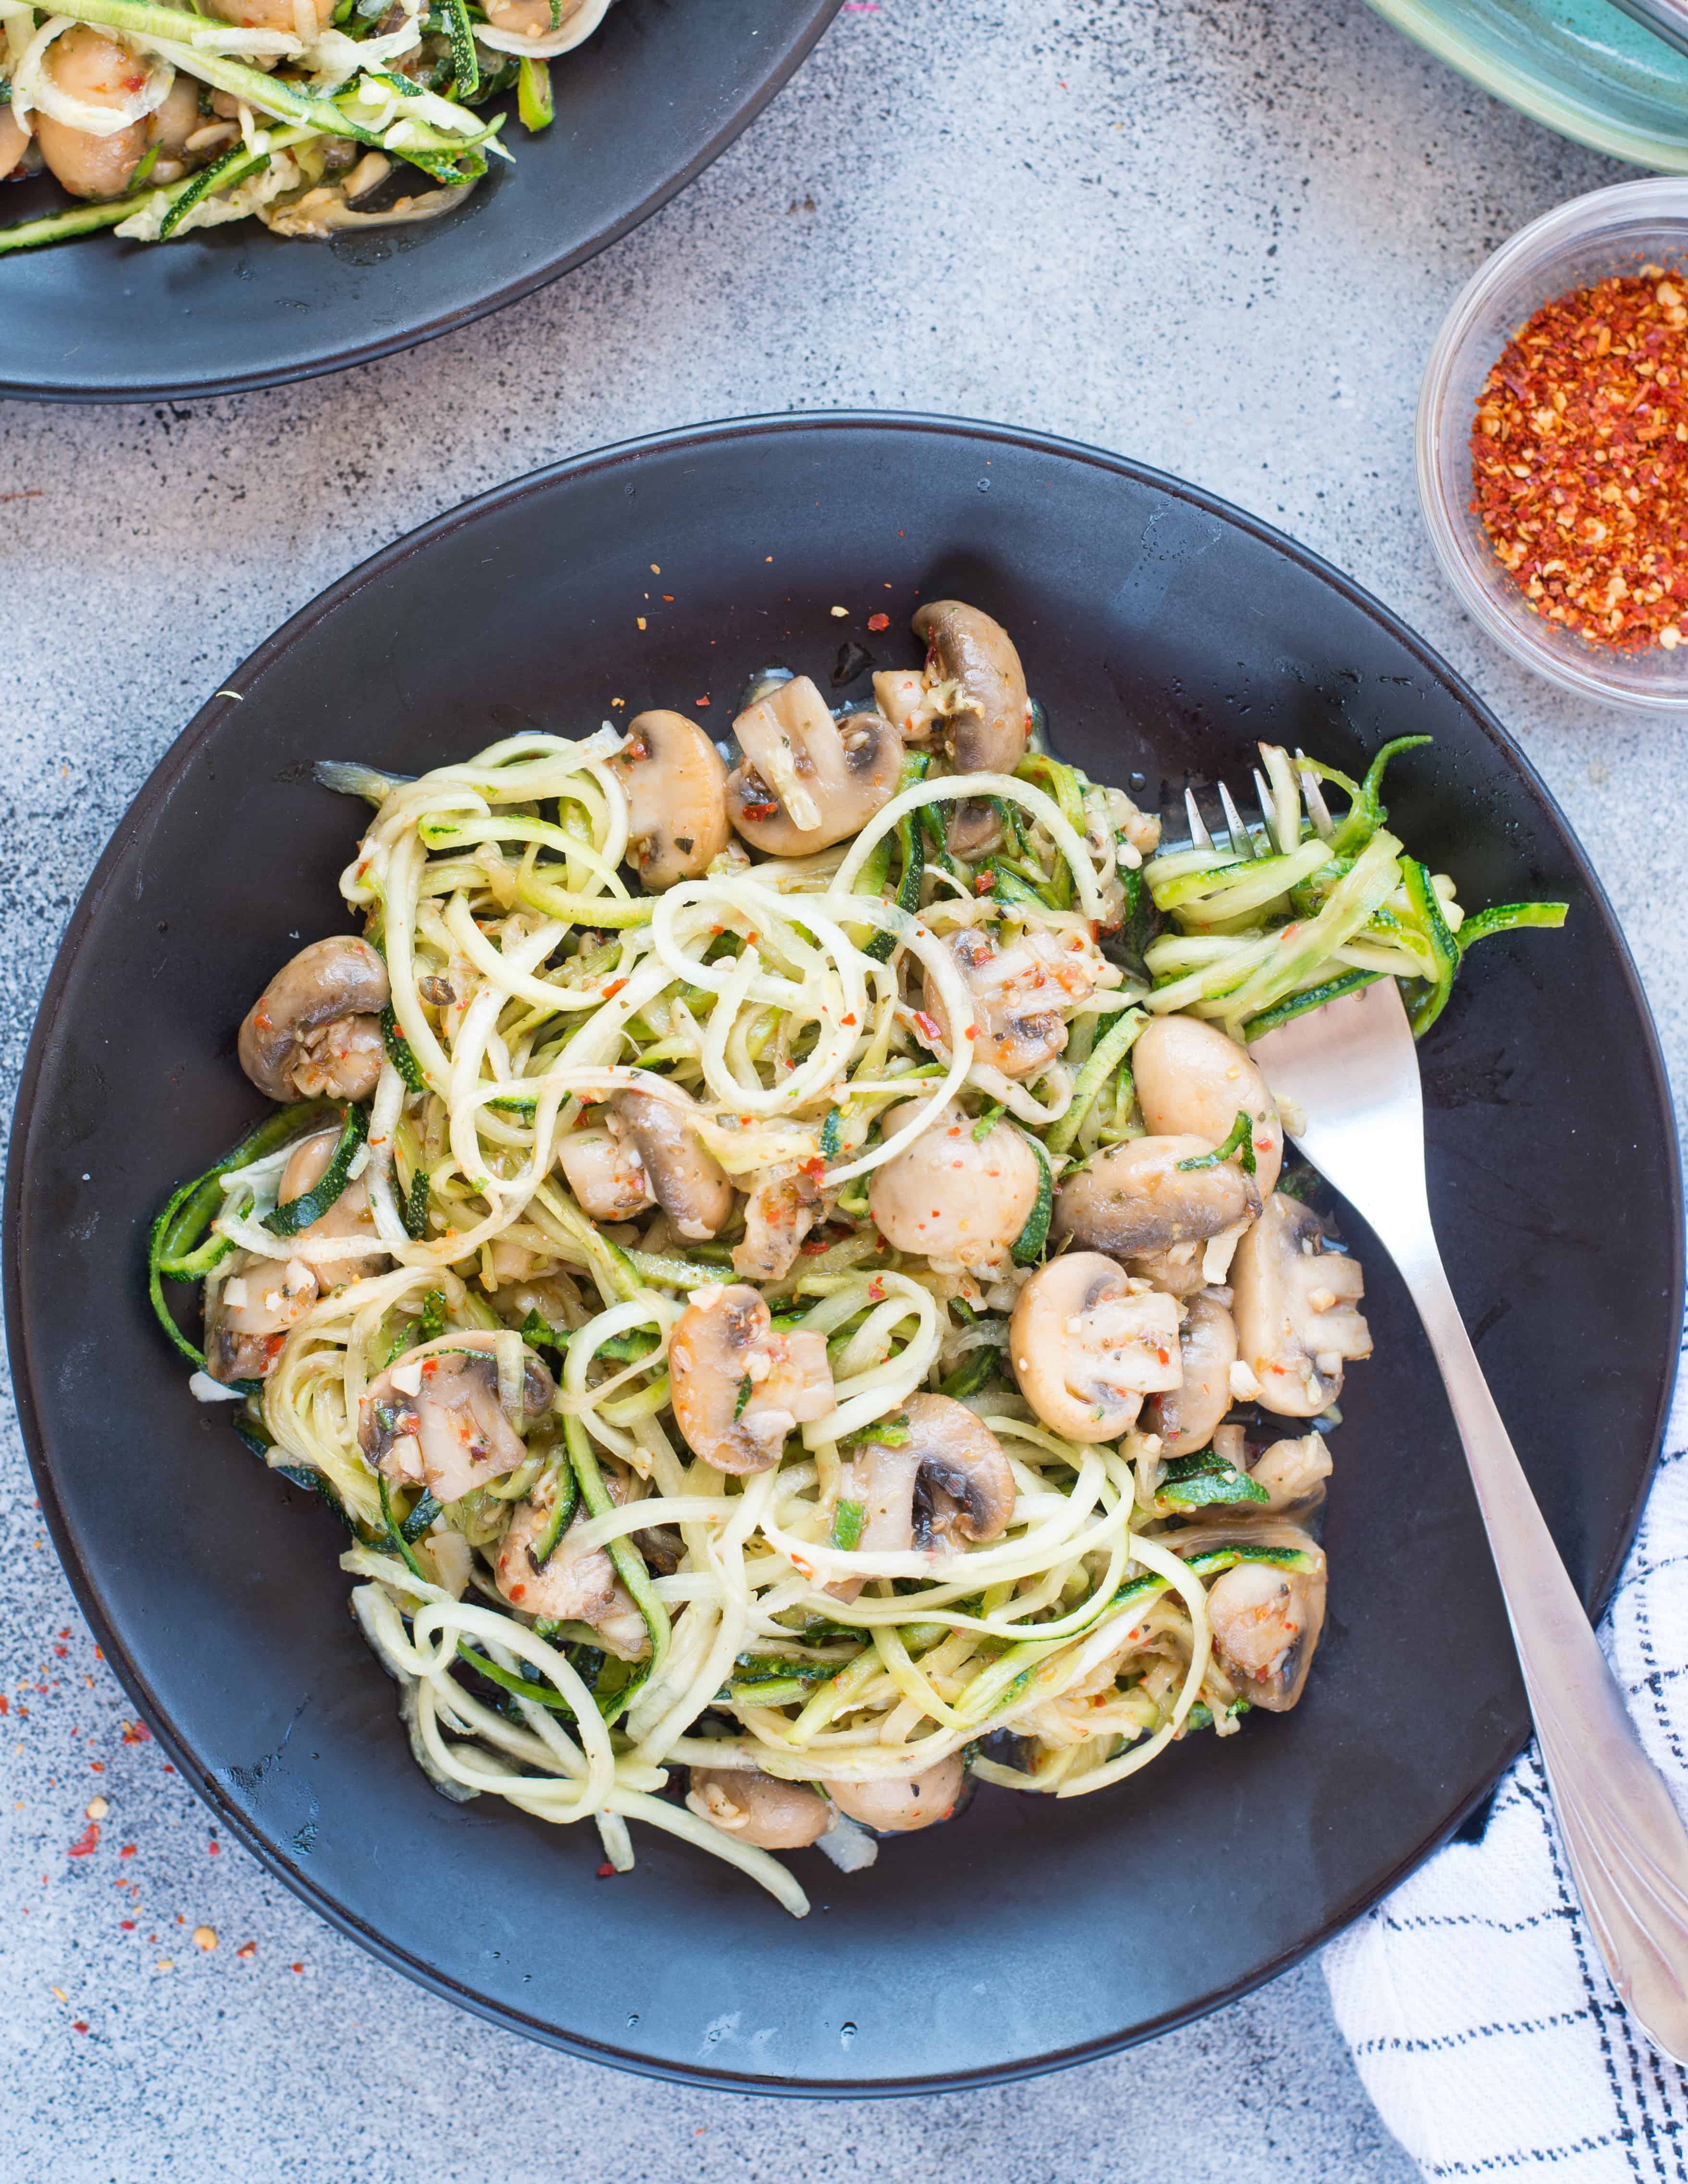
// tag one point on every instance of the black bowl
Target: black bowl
(1163, 631)
(658, 91)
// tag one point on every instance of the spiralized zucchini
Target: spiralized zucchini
(809, 1020)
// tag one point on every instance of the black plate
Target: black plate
(1162, 630)
(643, 106)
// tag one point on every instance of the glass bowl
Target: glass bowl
(1614, 231)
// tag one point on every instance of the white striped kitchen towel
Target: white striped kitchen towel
(1479, 2012)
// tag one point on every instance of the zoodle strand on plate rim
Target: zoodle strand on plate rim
(828, 1320)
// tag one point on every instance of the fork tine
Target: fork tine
(1199, 835)
(1268, 809)
(1318, 810)
(1242, 841)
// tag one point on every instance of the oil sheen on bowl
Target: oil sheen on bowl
(1611, 231)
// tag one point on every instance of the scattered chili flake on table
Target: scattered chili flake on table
(1579, 459)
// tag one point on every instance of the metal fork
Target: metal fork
(1352, 1070)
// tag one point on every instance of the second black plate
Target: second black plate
(1163, 631)
(658, 91)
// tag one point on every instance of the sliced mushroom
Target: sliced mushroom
(778, 1214)
(348, 1216)
(315, 1028)
(948, 1483)
(1021, 994)
(1185, 1416)
(1088, 1343)
(1293, 1301)
(576, 1584)
(100, 70)
(739, 1387)
(952, 1196)
(1193, 1082)
(686, 1180)
(806, 780)
(971, 664)
(1266, 1623)
(605, 1173)
(759, 1808)
(1135, 1197)
(675, 781)
(434, 1418)
(249, 1313)
(898, 1805)
(1292, 1473)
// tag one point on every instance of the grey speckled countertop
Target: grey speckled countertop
(1222, 233)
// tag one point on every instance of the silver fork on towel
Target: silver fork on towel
(1351, 1069)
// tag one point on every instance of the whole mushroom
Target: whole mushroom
(315, 1028)
(1142, 1196)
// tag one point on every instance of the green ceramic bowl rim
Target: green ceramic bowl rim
(1585, 123)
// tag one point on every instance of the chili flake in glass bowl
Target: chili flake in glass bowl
(1552, 476)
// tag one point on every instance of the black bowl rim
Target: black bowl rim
(162, 782)
(213, 387)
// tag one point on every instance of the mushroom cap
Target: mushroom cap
(1087, 1344)
(806, 780)
(737, 1387)
(675, 780)
(1294, 1303)
(1185, 1416)
(102, 70)
(948, 1482)
(328, 988)
(13, 141)
(1134, 1197)
(758, 1809)
(686, 1180)
(900, 1804)
(434, 1415)
(1021, 993)
(1192, 1081)
(1266, 1624)
(949, 1196)
(986, 731)
(1292, 1473)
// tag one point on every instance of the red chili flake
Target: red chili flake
(97, 1766)
(247, 1950)
(61, 1651)
(215, 1847)
(85, 1843)
(876, 1290)
(879, 622)
(1579, 459)
(127, 1851)
(929, 1031)
(607, 1872)
(5, 1704)
(295, 1968)
(703, 701)
(78, 2025)
(614, 988)
(136, 1732)
(127, 1925)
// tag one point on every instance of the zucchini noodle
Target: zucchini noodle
(648, 1274)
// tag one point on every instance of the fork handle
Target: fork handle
(1626, 1842)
